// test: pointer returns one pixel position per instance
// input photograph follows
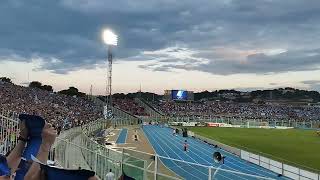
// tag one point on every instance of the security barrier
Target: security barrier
(279, 167)
(9, 130)
(275, 166)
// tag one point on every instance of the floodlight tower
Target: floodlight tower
(110, 39)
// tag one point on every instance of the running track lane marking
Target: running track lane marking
(169, 157)
(150, 128)
(203, 145)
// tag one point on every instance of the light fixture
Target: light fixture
(109, 37)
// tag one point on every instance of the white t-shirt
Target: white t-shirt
(110, 176)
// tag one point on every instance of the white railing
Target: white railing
(270, 164)
(123, 117)
(279, 167)
(9, 130)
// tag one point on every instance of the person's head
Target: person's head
(110, 170)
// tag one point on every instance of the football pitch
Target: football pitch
(292, 146)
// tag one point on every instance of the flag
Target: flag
(54, 173)
(35, 125)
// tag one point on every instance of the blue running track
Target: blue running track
(167, 145)
(122, 136)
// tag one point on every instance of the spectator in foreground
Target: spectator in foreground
(39, 171)
(49, 135)
(39, 168)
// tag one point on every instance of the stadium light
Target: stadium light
(109, 37)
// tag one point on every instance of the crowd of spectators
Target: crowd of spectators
(62, 110)
(130, 106)
(58, 109)
(240, 110)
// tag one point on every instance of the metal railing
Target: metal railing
(9, 130)
(279, 167)
(120, 117)
(124, 118)
(292, 171)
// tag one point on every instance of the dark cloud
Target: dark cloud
(69, 32)
(262, 63)
(311, 82)
(255, 63)
(273, 84)
(315, 87)
(250, 89)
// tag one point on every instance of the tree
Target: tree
(35, 84)
(5, 79)
(72, 91)
(47, 88)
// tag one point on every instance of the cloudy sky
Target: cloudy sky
(163, 44)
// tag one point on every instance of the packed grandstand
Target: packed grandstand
(61, 109)
(239, 110)
(58, 109)
(84, 117)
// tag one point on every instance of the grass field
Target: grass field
(297, 146)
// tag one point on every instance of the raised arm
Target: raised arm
(14, 157)
(49, 135)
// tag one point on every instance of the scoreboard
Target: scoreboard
(178, 95)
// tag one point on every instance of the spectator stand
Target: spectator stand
(153, 113)
(123, 118)
(58, 109)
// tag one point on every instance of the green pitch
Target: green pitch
(291, 146)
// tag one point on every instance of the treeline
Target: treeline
(287, 93)
(144, 95)
(37, 84)
(71, 91)
(215, 95)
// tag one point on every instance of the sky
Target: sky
(162, 44)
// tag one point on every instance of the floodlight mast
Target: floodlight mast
(110, 59)
(110, 39)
